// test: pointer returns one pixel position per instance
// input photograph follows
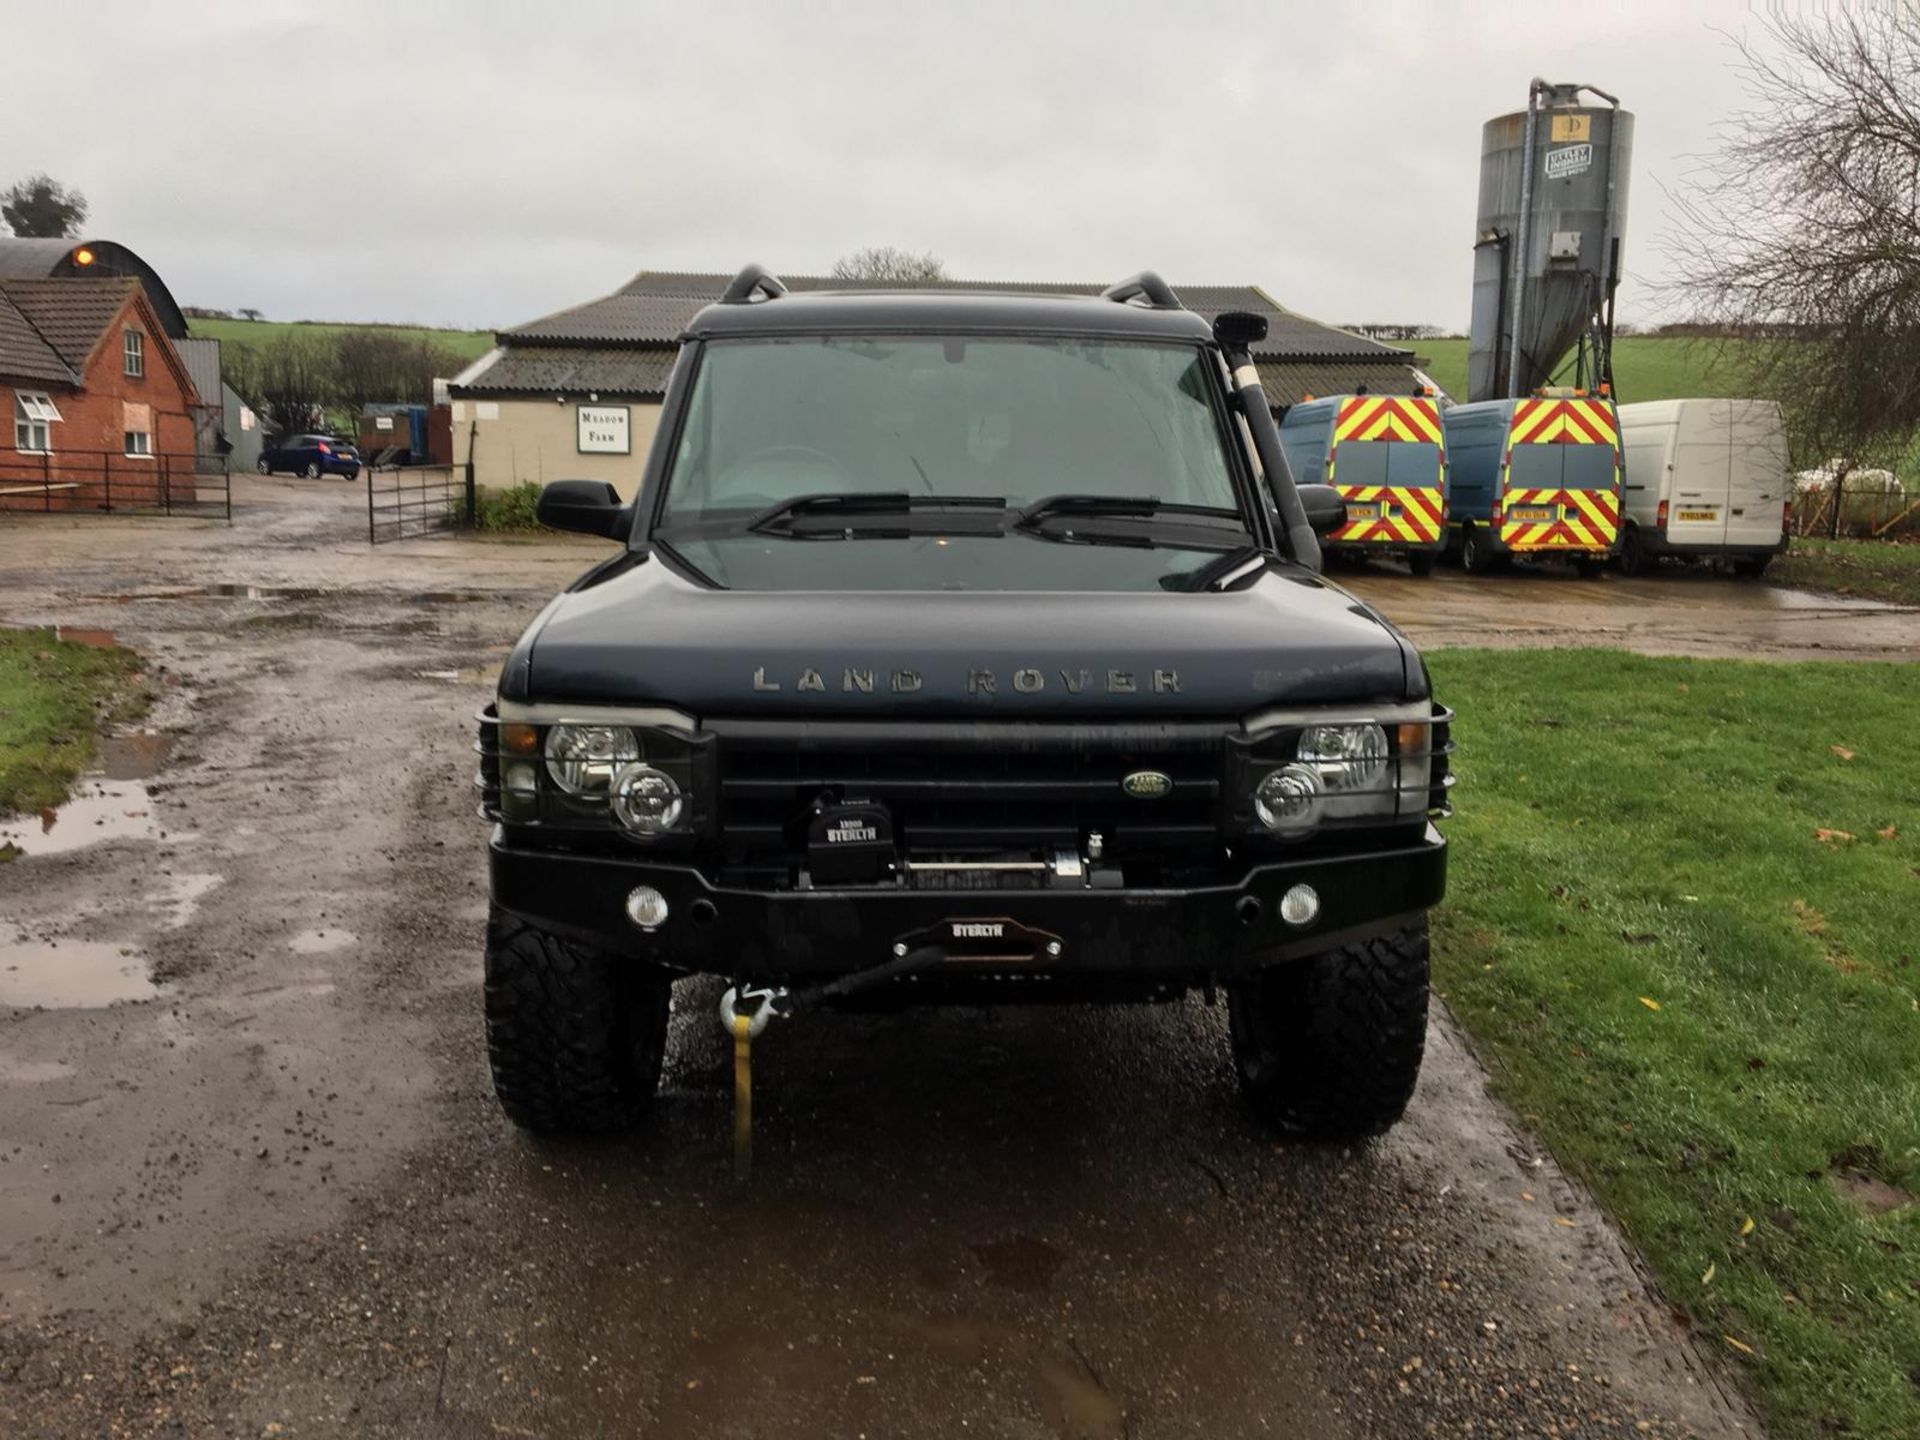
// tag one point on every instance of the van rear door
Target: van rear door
(1388, 464)
(1702, 458)
(1757, 482)
(1561, 480)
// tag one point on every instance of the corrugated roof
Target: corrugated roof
(202, 359)
(655, 306)
(24, 352)
(539, 369)
(70, 314)
(31, 257)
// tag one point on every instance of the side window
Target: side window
(136, 353)
(33, 416)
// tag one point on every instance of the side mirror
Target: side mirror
(590, 507)
(1326, 511)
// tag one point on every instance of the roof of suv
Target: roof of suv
(946, 312)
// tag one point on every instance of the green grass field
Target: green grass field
(1871, 569)
(469, 344)
(1680, 930)
(53, 696)
(1646, 368)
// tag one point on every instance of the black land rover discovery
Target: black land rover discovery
(962, 647)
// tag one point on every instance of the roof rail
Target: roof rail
(752, 280)
(1158, 293)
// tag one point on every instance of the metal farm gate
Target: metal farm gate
(406, 501)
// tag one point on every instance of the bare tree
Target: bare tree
(375, 366)
(41, 207)
(250, 314)
(889, 263)
(290, 381)
(1803, 242)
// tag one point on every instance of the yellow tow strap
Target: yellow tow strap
(742, 1096)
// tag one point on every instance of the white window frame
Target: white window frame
(133, 349)
(33, 410)
(138, 443)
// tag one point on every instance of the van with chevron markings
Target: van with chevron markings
(1387, 456)
(1536, 478)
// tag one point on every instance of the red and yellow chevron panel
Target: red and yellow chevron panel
(1563, 422)
(1388, 417)
(1406, 515)
(1576, 520)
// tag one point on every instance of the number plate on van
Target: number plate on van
(1698, 515)
(1533, 512)
(1367, 511)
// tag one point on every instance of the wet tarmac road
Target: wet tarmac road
(273, 1196)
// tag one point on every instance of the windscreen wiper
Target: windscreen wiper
(1123, 506)
(868, 502)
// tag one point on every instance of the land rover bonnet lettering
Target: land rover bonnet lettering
(1025, 680)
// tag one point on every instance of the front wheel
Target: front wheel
(1329, 1047)
(576, 1034)
(263, 467)
(313, 470)
(1420, 563)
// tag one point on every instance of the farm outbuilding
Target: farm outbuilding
(577, 394)
(28, 258)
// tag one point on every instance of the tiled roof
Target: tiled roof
(539, 369)
(655, 306)
(1287, 382)
(70, 314)
(24, 352)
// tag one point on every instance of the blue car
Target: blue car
(311, 456)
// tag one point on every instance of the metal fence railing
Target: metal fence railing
(412, 500)
(105, 482)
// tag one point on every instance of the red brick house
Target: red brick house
(99, 404)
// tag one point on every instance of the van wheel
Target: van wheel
(1329, 1047)
(1420, 563)
(1477, 553)
(1752, 567)
(1633, 558)
(1589, 569)
(576, 1035)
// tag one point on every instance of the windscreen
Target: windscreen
(1018, 419)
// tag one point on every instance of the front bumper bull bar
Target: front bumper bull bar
(1177, 934)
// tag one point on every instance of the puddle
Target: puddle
(101, 810)
(321, 942)
(1074, 1404)
(1815, 600)
(181, 895)
(71, 974)
(472, 675)
(132, 757)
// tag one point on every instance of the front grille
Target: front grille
(974, 788)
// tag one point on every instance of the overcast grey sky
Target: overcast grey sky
(480, 164)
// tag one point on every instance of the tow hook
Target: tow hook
(743, 1026)
(747, 1010)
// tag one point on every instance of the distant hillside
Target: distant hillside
(469, 344)
(1644, 368)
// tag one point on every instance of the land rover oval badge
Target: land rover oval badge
(1147, 784)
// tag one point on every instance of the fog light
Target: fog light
(1299, 906)
(647, 907)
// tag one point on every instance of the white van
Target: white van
(1705, 479)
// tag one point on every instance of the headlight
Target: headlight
(1288, 799)
(1346, 757)
(645, 800)
(582, 758)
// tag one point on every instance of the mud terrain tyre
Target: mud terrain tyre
(1329, 1047)
(575, 1034)
(1633, 558)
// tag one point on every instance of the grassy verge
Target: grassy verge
(1682, 931)
(54, 695)
(509, 510)
(1873, 569)
(1646, 367)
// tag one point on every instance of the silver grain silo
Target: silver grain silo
(1553, 210)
